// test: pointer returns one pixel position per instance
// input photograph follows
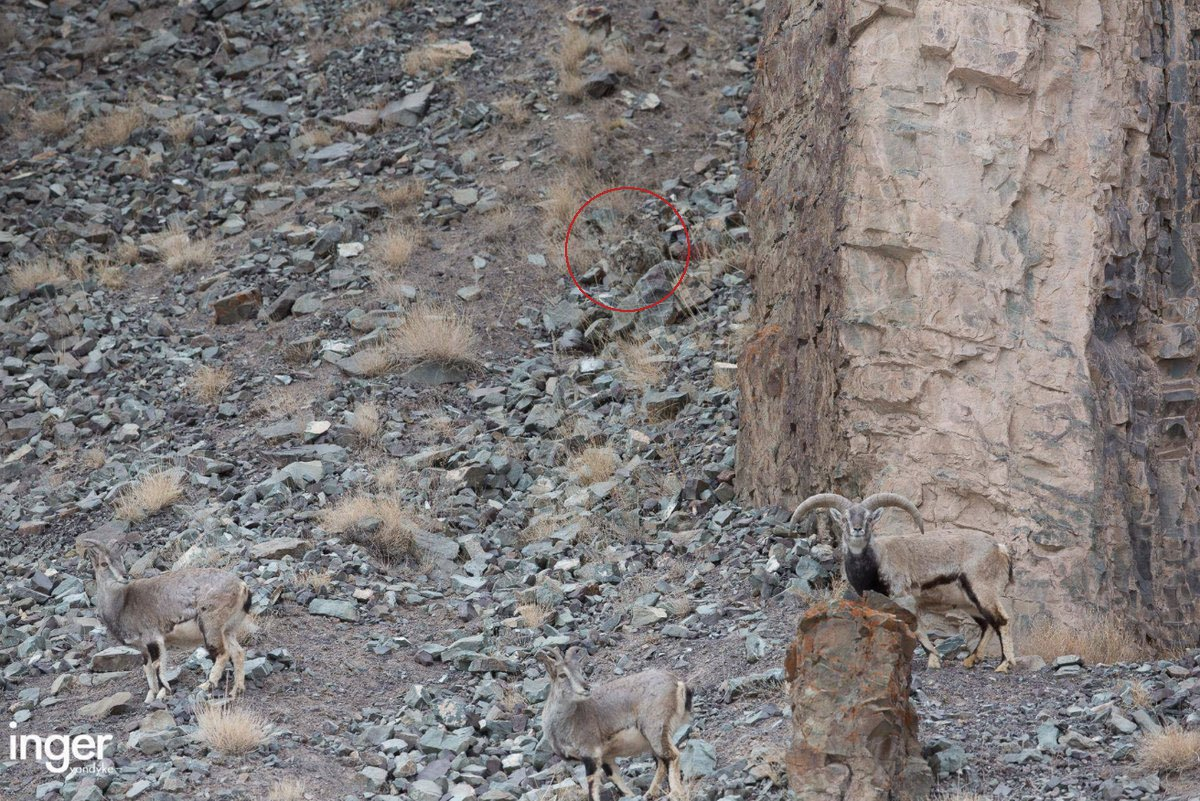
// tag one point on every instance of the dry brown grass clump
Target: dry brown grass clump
(573, 48)
(595, 464)
(1099, 638)
(384, 525)
(367, 421)
(640, 364)
(53, 122)
(512, 110)
(287, 790)
(180, 129)
(315, 137)
(404, 194)
(27, 275)
(534, 615)
(619, 59)
(376, 360)
(179, 251)
(435, 334)
(209, 384)
(113, 128)
(150, 494)
(570, 85)
(231, 729)
(434, 57)
(394, 248)
(575, 142)
(1172, 750)
(563, 198)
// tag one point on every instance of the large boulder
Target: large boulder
(854, 730)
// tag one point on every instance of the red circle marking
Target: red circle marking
(687, 258)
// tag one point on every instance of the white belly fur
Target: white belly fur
(186, 635)
(626, 743)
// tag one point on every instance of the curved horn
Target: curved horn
(822, 501)
(882, 499)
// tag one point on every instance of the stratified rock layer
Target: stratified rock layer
(854, 732)
(976, 282)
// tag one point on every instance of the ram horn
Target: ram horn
(822, 501)
(882, 499)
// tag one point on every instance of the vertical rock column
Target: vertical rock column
(975, 231)
(854, 730)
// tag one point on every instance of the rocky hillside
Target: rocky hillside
(283, 293)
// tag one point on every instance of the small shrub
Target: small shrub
(113, 129)
(209, 384)
(640, 364)
(512, 110)
(1172, 750)
(594, 464)
(575, 142)
(381, 524)
(394, 248)
(179, 251)
(563, 198)
(150, 494)
(404, 194)
(534, 615)
(27, 275)
(1099, 638)
(230, 729)
(51, 122)
(435, 334)
(367, 421)
(181, 128)
(287, 790)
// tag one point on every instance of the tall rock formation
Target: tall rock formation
(975, 231)
(854, 729)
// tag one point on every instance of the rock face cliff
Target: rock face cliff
(975, 251)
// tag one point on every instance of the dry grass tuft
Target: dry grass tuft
(53, 122)
(570, 85)
(314, 137)
(181, 128)
(573, 48)
(315, 580)
(114, 128)
(435, 334)
(594, 464)
(394, 248)
(287, 790)
(179, 251)
(404, 194)
(575, 142)
(563, 198)
(376, 360)
(27, 275)
(434, 57)
(1099, 638)
(388, 477)
(209, 384)
(150, 494)
(1139, 695)
(639, 363)
(512, 111)
(619, 59)
(384, 525)
(534, 615)
(367, 422)
(230, 729)
(93, 458)
(1173, 750)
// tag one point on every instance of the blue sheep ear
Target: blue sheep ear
(878, 513)
(836, 514)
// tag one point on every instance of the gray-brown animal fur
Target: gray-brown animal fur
(629, 716)
(192, 607)
(966, 571)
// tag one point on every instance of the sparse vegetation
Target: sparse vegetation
(148, 495)
(512, 110)
(180, 128)
(594, 464)
(1094, 636)
(28, 275)
(575, 142)
(640, 363)
(209, 384)
(403, 195)
(563, 198)
(1172, 750)
(314, 137)
(113, 129)
(394, 248)
(382, 524)
(435, 334)
(287, 790)
(231, 729)
(619, 59)
(53, 122)
(434, 57)
(534, 615)
(367, 421)
(180, 251)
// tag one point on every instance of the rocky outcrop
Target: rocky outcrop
(854, 730)
(976, 282)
